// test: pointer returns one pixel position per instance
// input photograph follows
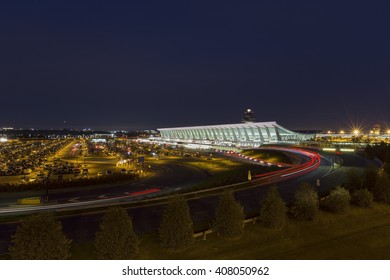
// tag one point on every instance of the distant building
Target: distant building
(376, 129)
(102, 135)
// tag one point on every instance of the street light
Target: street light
(45, 184)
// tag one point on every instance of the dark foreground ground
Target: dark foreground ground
(357, 234)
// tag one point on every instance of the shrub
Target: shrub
(338, 200)
(176, 228)
(40, 237)
(273, 209)
(362, 198)
(370, 180)
(381, 191)
(116, 239)
(354, 181)
(306, 202)
(229, 217)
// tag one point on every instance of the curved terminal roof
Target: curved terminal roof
(236, 125)
(248, 133)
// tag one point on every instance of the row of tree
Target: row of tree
(40, 236)
(377, 183)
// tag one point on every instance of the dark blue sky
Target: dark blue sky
(147, 64)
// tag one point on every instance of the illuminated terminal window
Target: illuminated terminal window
(242, 134)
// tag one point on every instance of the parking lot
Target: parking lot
(32, 161)
(24, 160)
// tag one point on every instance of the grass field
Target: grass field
(358, 234)
(225, 171)
(268, 155)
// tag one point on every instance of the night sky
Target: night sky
(149, 64)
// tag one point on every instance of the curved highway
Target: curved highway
(170, 178)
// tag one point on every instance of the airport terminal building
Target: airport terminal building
(247, 134)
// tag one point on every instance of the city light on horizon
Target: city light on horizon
(356, 132)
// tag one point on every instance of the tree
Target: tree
(362, 198)
(116, 239)
(176, 228)
(386, 166)
(273, 209)
(229, 217)
(354, 180)
(381, 191)
(370, 178)
(337, 201)
(306, 202)
(40, 237)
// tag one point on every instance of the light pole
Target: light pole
(45, 183)
(318, 186)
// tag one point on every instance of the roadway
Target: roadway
(169, 178)
(81, 228)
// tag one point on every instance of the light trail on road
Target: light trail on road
(312, 163)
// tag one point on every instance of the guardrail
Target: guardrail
(206, 232)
